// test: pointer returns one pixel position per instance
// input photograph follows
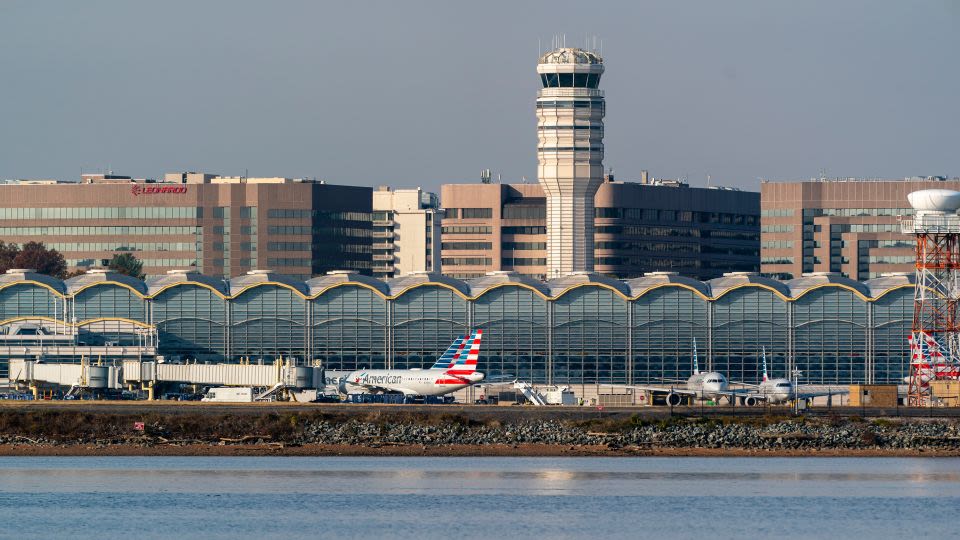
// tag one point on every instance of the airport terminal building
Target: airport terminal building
(583, 328)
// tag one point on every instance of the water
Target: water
(494, 498)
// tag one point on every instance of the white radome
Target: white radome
(935, 200)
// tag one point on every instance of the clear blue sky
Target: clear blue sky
(421, 93)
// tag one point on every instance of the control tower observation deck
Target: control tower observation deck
(570, 112)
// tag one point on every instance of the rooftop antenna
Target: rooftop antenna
(708, 180)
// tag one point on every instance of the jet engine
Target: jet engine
(674, 399)
(749, 401)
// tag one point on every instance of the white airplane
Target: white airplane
(709, 386)
(455, 369)
(775, 391)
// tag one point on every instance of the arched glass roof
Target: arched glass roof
(493, 280)
(734, 280)
(16, 275)
(156, 284)
(639, 286)
(884, 284)
(333, 279)
(399, 285)
(95, 277)
(265, 277)
(801, 285)
(561, 285)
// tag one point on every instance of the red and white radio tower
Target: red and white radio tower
(934, 344)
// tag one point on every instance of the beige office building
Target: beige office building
(406, 232)
(640, 228)
(845, 226)
(216, 225)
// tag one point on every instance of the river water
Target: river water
(495, 498)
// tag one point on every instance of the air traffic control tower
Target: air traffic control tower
(570, 112)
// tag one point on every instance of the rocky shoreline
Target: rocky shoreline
(67, 433)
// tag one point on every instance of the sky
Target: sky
(415, 93)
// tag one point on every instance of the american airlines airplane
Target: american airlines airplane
(455, 369)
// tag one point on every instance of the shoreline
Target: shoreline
(452, 450)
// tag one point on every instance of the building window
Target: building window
(465, 245)
(476, 213)
(523, 230)
(466, 261)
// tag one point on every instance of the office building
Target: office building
(570, 111)
(219, 226)
(640, 227)
(406, 232)
(847, 226)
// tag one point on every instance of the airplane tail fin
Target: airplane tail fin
(465, 361)
(764, 364)
(446, 359)
(696, 362)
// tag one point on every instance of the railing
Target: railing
(569, 92)
(931, 224)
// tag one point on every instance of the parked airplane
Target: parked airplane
(926, 357)
(709, 386)
(455, 369)
(781, 390)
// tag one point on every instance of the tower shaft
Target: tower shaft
(570, 111)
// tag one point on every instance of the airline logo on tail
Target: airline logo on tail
(465, 360)
(928, 359)
(765, 364)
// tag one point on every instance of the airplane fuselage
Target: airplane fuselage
(777, 390)
(410, 382)
(708, 386)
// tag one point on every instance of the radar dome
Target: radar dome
(935, 200)
(570, 55)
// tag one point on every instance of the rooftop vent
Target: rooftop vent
(258, 272)
(97, 270)
(339, 272)
(20, 270)
(659, 273)
(896, 274)
(741, 274)
(819, 274)
(178, 271)
(502, 273)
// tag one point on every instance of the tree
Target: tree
(127, 264)
(36, 256)
(75, 273)
(8, 252)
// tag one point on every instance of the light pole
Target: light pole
(796, 390)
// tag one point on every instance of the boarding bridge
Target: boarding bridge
(76, 376)
(89, 376)
(283, 374)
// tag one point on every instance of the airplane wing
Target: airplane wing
(811, 395)
(662, 390)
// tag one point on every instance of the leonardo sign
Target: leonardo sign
(155, 190)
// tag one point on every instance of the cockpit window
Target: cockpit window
(783, 385)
